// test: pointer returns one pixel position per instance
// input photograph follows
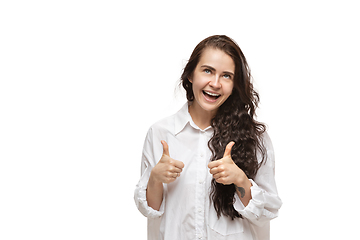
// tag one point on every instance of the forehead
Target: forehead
(217, 59)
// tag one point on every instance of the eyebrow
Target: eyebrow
(213, 69)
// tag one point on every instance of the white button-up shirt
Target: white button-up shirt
(186, 211)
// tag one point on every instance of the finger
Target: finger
(214, 164)
(223, 180)
(179, 164)
(219, 179)
(171, 177)
(220, 175)
(228, 149)
(174, 175)
(175, 170)
(216, 170)
(216, 177)
(165, 148)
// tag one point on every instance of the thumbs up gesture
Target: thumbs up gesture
(225, 171)
(167, 169)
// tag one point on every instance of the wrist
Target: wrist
(242, 182)
(153, 181)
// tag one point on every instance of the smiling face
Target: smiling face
(212, 80)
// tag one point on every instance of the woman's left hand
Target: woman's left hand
(225, 171)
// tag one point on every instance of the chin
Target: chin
(210, 107)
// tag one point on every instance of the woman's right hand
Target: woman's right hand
(167, 169)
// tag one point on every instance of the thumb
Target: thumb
(165, 148)
(228, 149)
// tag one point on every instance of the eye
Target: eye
(227, 76)
(208, 71)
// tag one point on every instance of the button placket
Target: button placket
(201, 174)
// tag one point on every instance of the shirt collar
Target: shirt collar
(182, 118)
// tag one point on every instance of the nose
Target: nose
(215, 82)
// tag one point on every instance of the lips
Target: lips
(211, 96)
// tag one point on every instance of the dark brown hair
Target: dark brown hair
(234, 121)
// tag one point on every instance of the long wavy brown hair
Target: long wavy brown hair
(234, 121)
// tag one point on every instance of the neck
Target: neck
(201, 117)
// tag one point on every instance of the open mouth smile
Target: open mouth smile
(210, 96)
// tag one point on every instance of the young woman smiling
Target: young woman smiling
(208, 170)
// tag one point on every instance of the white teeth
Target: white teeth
(212, 94)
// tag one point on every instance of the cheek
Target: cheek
(198, 84)
(194, 88)
(228, 88)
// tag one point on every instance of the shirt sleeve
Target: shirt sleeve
(147, 163)
(265, 202)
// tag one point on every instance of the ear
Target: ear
(189, 78)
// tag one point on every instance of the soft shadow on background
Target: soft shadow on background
(82, 81)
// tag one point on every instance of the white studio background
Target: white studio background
(82, 81)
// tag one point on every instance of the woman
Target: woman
(208, 170)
